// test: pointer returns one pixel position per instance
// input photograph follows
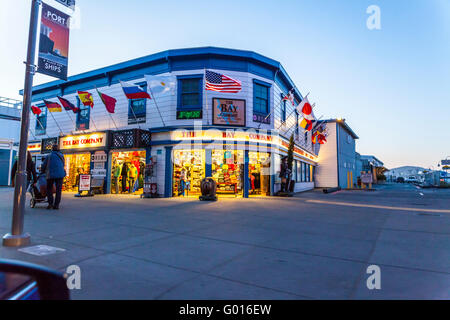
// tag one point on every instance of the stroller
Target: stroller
(38, 191)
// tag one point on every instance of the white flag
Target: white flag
(305, 109)
(160, 85)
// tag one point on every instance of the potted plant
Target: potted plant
(290, 161)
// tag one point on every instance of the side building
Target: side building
(10, 115)
(182, 134)
(337, 166)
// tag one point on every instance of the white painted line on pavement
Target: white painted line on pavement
(350, 204)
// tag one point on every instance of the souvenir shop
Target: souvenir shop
(78, 153)
(115, 160)
(243, 164)
(127, 171)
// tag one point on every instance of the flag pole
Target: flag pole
(92, 118)
(71, 119)
(290, 114)
(206, 98)
(157, 108)
(37, 119)
(51, 113)
(17, 237)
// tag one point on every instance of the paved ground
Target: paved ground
(313, 246)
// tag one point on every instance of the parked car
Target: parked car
(412, 179)
(400, 180)
(26, 281)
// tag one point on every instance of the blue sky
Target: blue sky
(391, 85)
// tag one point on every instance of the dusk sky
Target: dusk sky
(391, 85)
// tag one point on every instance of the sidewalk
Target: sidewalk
(261, 248)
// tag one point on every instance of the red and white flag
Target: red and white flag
(305, 109)
(221, 83)
(289, 97)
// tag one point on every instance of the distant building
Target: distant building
(373, 165)
(10, 110)
(405, 172)
(337, 157)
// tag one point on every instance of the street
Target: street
(311, 246)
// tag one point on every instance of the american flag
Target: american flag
(222, 83)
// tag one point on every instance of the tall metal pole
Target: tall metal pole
(17, 237)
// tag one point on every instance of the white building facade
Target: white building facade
(179, 137)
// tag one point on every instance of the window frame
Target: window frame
(283, 108)
(82, 107)
(180, 92)
(257, 82)
(40, 128)
(131, 114)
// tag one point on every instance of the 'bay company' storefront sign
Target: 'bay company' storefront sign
(91, 140)
(229, 112)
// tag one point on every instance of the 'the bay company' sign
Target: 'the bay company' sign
(92, 140)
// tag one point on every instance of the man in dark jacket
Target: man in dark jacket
(31, 171)
(53, 166)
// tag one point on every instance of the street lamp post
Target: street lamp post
(17, 237)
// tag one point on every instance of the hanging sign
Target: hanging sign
(53, 43)
(229, 112)
(99, 156)
(98, 172)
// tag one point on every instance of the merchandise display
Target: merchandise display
(127, 172)
(75, 164)
(259, 173)
(227, 170)
(188, 171)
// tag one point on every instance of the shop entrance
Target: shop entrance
(259, 173)
(127, 172)
(228, 171)
(188, 172)
(75, 164)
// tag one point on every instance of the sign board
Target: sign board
(189, 114)
(99, 165)
(261, 118)
(68, 3)
(99, 156)
(53, 43)
(445, 162)
(366, 178)
(228, 112)
(35, 147)
(85, 182)
(98, 172)
(91, 140)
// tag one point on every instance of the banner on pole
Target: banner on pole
(53, 43)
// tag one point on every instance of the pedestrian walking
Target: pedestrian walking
(31, 171)
(53, 166)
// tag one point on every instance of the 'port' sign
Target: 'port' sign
(53, 43)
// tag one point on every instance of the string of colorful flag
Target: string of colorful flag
(162, 84)
(308, 121)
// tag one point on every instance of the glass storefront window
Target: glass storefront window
(228, 171)
(259, 173)
(127, 172)
(188, 172)
(75, 164)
